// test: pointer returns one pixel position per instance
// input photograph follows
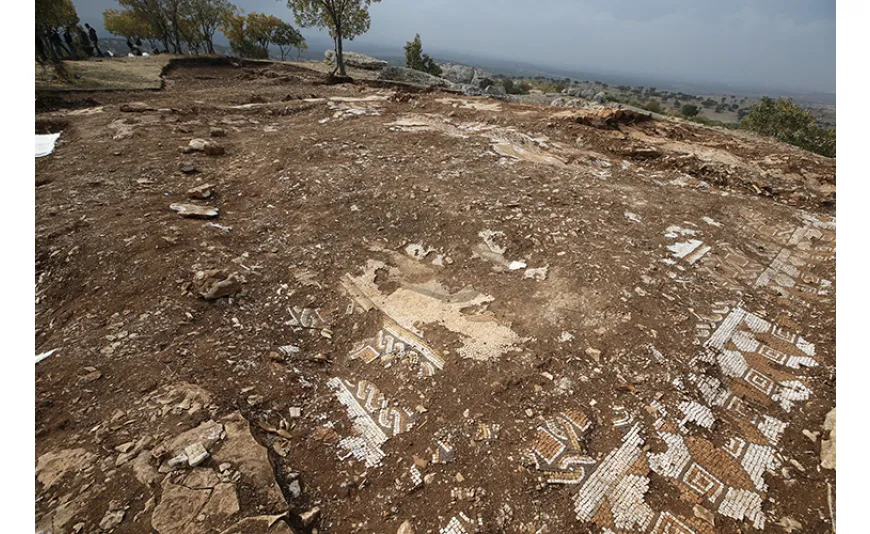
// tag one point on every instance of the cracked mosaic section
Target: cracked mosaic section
(374, 419)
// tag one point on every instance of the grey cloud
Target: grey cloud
(777, 43)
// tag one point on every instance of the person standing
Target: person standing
(85, 41)
(93, 35)
(67, 37)
(56, 43)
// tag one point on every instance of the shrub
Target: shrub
(653, 106)
(417, 60)
(690, 110)
(792, 124)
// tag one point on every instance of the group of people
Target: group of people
(67, 46)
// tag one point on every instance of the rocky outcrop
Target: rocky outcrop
(579, 92)
(402, 74)
(355, 60)
(462, 74)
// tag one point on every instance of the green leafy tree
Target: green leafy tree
(207, 16)
(288, 37)
(345, 19)
(126, 24)
(234, 28)
(417, 60)
(150, 13)
(262, 29)
(54, 15)
(251, 35)
(792, 124)
(690, 110)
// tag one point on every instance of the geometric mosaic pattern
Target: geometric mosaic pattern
(760, 364)
(394, 343)
(374, 419)
(786, 258)
(557, 451)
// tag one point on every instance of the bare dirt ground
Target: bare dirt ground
(101, 74)
(459, 313)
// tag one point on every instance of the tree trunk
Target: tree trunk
(339, 56)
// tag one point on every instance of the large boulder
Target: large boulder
(462, 74)
(481, 80)
(495, 89)
(359, 61)
(402, 74)
(457, 73)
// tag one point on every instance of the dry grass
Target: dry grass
(106, 74)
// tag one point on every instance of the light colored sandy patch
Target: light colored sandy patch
(506, 142)
(480, 105)
(370, 98)
(413, 306)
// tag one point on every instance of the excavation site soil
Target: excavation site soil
(278, 305)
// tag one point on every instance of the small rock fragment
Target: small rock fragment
(829, 446)
(595, 354)
(136, 107)
(406, 528)
(192, 211)
(790, 525)
(196, 145)
(214, 284)
(310, 516)
(214, 149)
(112, 519)
(295, 412)
(187, 167)
(200, 192)
(704, 514)
(539, 273)
(196, 454)
(295, 489)
(218, 132)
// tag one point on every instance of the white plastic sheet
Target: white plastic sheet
(45, 144)
(44, 355)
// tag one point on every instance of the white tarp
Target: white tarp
(44, 355)
(45, 144)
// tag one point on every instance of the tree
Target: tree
(235, 28)
(208, 15)
(790, 123)
(345, 19)
(288, 37)
(690, 110)
(251, 35)
(262, 30)
(417, 60)
(152, 14)
(126, 24)
(52, 15)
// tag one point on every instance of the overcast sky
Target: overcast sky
(774, 43)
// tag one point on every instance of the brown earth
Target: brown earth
(651, 366)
